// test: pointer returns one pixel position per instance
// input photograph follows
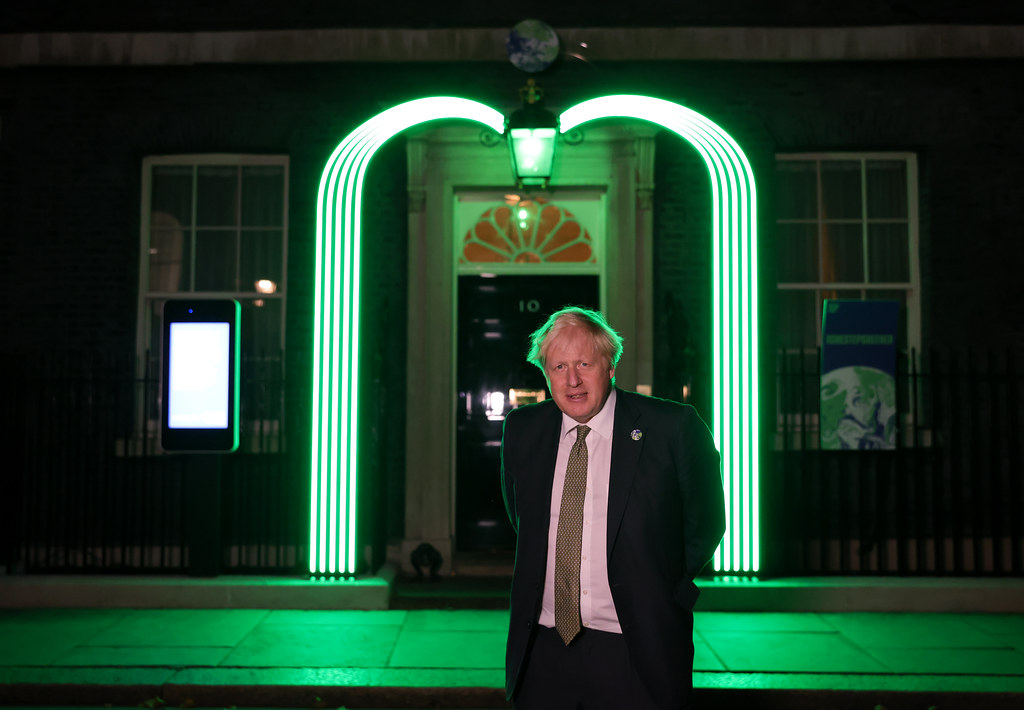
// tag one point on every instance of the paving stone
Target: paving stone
(463, 620)
(997, 624)
(704, 659)
(143, 656)
(877, 630)
(752, 621)
(790, 652)
(961, 661)
(449, 649)
(335, 617)
(320, 646)
(39, 637)
(180, 627)
(432, 658)
(1014, 641)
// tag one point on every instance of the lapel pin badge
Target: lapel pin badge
(636, 434)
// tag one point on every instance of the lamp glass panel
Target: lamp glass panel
(533, 150)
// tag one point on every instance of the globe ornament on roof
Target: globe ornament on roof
(532, 46)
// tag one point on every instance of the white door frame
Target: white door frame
(619, 160)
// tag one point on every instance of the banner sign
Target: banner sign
(858, 374)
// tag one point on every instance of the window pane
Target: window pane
(261, 259)
(194, 242)
(842, 248)
(215, 260)
(798, 253)
(217, 196)
(797, 319)
(888, 253)
(263, 196)
(887, 189)
(796, 190)
(168, 260)
(171, 202)
(840, 189)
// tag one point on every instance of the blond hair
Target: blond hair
(606, 340)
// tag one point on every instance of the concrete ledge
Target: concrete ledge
(393, 689)
(462, 688)
(103, 592)
(848, 594)
(811, 594)
(743, 594)
(81, 686)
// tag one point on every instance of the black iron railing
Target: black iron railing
(945, 501)
(89, 490)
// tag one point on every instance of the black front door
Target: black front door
(496, 316)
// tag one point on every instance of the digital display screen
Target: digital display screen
(199, 375)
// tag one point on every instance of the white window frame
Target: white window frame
(911, 287)
(146, 296)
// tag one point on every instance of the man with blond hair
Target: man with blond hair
(617, 502)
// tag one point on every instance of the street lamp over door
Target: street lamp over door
(531, 133)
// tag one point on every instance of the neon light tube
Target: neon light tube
(334, 458)
(734, 298)
(333, 521)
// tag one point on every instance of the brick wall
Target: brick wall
(958, 117)
(73, 140)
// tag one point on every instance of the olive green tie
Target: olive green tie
(569, 540)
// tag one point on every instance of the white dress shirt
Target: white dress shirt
(597, 610)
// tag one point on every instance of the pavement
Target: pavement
(890, 655)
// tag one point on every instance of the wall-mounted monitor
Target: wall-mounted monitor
(199, 406)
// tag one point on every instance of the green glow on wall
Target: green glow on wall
(734, 284)
(334, 471)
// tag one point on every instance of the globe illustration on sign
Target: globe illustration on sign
(858, 409)
(532, 46)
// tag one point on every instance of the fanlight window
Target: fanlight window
(528, 232)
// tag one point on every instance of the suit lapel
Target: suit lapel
(625, 461)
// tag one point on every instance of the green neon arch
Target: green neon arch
(334, 475)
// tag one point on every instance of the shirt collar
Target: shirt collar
(602, 422)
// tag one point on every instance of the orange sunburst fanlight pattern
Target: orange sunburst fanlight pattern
(528, 232)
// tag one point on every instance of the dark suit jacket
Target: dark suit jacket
(666, 516)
